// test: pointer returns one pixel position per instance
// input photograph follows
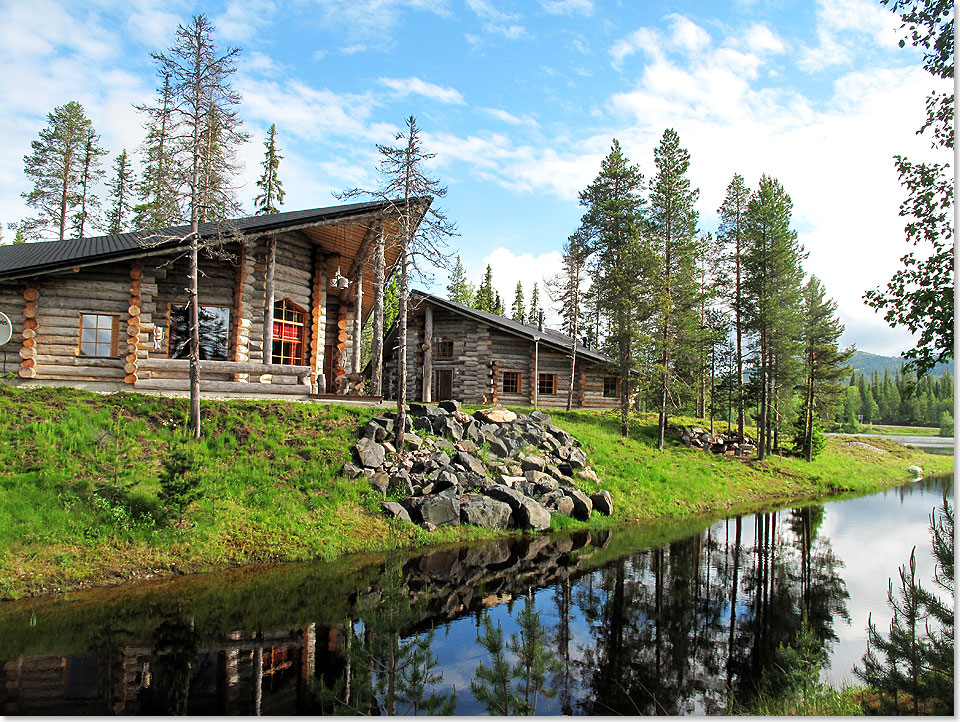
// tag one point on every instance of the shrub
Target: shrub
(179, 480)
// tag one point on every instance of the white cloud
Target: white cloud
(371, 23)
(241, 19)
(510, 118)
(403, 87)
(568, 7)
(686, 35)
(508, 267)
(497, 22)
(840, 23)
(645, 39)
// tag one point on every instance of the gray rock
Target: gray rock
(389, 447)
(351, 471)
(412, 505)
(509, 481)
(454, 492)
(527, 513)
(369, 453)
(394, 510)
(472, 432)
(401, 481)
(577, 459)
(451, 428)
(470, 463)
(602, 502)
(450, 406)
(486, 512)
(467, 446)
(423, 424)
(412, 441)
(497, 446)
(540, 417)
(566, 506)
(427, 489)
(440, 510)
(445, 445)
(588, 475)
(381, 482)
(582, 506)
(541, 481)
(532, 463)
(375, 431)
(551, 499)
(440, 458)
(445, 479)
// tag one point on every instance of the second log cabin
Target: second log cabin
(281, 302)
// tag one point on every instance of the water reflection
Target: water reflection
(641, 621)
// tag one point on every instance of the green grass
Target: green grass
(901, 430)
(78, 490)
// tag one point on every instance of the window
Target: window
(511, 382)
(445, 350)
(611, 386)
(547, 384)
(98, 335)
(214, 332)
(288, 332)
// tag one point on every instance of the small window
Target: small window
(547, 384)
(611, 386)
(288, 333)
(98, 335)
(511, 382)
(445, 350)
(214, 332)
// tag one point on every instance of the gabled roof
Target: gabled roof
(549, 337)
(30, 259)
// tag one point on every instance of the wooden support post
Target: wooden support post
(268, 299)
(318, 320)
(133, 322)
(241, 325)
(357, 319)
(28, 354)
(536, 370)
(428, 353)
(376, 344)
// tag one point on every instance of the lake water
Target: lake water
(652, 619)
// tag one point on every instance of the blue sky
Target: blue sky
(520, 101)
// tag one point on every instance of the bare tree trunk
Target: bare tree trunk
(402, 350)
(269, 299)
(357, 319)
(376, 345)
(573, 364)
(740, 400)
(428, 354)
(193, 293)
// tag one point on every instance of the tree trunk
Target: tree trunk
(428, 354)
(402, 351)
(376, 345)
(269, 299)
(573, 363)
(357, 319)
(739, 303)
(193, 292)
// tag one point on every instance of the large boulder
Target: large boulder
(495, 415)
(440, 510)
(532, 463)
(527, 513)
(582, 506)
(369, 453)
(602, 502)
(394, 510)
(449, 427)
(486, 512)
(351, 471)
(543, 483)
(450, 406)
(576, 458)
(497, 446)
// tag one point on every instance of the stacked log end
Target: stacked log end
(28, 348)
(316, 320)
(241, 324)
(131, 366)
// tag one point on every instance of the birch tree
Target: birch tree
(201, 108)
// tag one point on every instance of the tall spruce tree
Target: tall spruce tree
(459, 290)
(56, 166)
(484, 299)
(673, 282)
(121, 194)
(205, 133)
(272, 193)
(498, 307)
(87, 216)
(610, 229)
(159, 185)
(730, 234)
(566, 290)
(518, 311)
(824, 363)
(773, 277)
(535, 310)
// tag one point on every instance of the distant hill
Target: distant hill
(866, 363)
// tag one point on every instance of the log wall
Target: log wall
(12, 304)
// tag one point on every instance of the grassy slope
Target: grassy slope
(273, 491)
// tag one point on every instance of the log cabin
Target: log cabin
(458, 352)
(282, 298)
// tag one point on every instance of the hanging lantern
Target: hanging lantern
(339, 280)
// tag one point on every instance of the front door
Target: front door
(443, 384)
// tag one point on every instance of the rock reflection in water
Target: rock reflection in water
(641, 622)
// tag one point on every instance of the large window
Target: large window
(511, 382)
(611, 386)
(98, 335)
(214, 332)
(288, 332)
(547, 384)
(445, 350)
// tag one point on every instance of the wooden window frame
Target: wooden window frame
(616, 389)
(114, 333)
(278, 308)
(553, 381)
(439, 356)
(169, 339)
(503, 382)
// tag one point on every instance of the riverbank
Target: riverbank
(79, 482)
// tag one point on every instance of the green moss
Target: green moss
(79, 487)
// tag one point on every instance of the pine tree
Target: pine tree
(610, 229)
(160, 182)
(56, 167)
(199, 96)
(498, 304)
(459, 290)
(673, 285)
(88, 215)
(121, 193)
(730, 234)
(484, 299)
(534, 660)
(823, 361)
(534, 318)
(518, 311)
(565, 290)
(492, 686)
(270, 200)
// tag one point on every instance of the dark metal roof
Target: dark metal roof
(30, 259)
(558, 340)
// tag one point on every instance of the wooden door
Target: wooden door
(328, 368)
(442, 384)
